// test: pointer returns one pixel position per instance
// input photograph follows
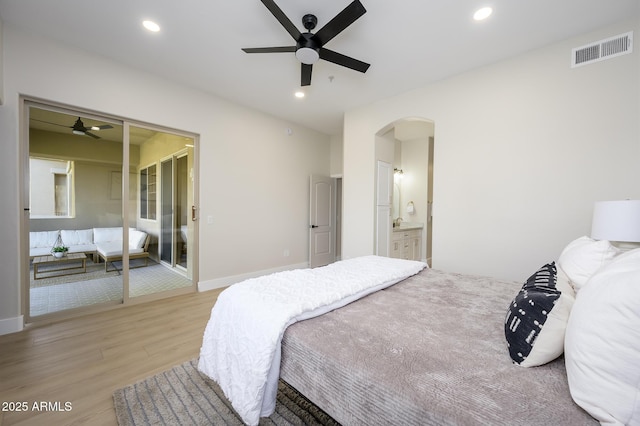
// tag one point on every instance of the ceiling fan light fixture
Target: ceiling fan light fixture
(307, 55)
(78, 127)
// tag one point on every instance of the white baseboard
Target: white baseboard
(11, 325)
(227, 281)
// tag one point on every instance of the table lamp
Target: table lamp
(617, 221)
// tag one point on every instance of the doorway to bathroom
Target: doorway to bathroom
(404, 154)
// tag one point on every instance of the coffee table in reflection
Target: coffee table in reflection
(74, 263)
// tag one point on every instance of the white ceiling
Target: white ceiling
(409, 43)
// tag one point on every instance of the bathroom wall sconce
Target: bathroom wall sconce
(398, 172)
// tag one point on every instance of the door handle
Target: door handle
(193, 213)
(314, 226)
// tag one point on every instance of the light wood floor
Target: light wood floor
(83, 360)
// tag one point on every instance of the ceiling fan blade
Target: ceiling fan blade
(269, 49)
(54, 124)
(341, 21)
(79, 127)
(92, 135)
(305, 78)
(102, 127)
(345, 61)
(282, 18)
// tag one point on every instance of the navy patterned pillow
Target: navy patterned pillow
(536, 320)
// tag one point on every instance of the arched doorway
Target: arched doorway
(404, 221)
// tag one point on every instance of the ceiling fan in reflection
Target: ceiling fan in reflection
(79, 128)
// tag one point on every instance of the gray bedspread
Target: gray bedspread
(429, 350)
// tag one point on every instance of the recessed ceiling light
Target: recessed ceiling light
(299, 94)
(151, 26)
(482, 14)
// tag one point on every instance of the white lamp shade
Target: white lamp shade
(616, 221)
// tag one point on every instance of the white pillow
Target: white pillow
(42, 238)
(136, 239)
(602, 344)
(77, 237)
(581, 258)
(106, 235)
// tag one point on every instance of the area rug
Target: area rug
(94, 271)
(182, 396)
(65, 292)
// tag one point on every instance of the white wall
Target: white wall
(336, 156)
(1, 66)
(253, 175)
(523, 148)
(94, 164)
(43, 194)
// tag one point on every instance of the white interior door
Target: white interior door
(321, 221)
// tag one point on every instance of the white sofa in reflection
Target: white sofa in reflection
(41, 243)
(101, 243)
(79, 241)
(108, 243)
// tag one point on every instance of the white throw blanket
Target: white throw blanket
(241, 344)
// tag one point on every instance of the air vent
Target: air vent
(603, 49)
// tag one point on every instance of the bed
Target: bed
(430, 349)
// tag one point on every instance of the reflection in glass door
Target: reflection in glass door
(161, 164)
(75, 204)
(183, 209)
(94, 186)
(174, 249)
(168, 227)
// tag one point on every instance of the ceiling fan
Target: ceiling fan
(79, 128)
(309, 46)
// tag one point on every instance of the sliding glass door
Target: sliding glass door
(176, 210)
(75, 196)
(183, 207)
(113, 201)
(168, 228)
(161, 183)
